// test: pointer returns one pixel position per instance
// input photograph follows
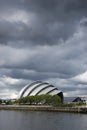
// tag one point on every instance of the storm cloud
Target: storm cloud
(43, 40)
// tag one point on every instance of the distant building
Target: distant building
(39, 88)
(84, 99)
(75, 99)
(78, 99)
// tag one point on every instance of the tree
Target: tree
(56, 100)
(45, 99)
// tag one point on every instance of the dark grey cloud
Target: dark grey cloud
(13, 32)
(77, 6)
(41, 59)
(53, 20)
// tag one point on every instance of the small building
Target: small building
(78, 99)
(75, 99)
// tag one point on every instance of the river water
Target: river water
(26, 120)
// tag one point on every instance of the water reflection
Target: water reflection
(25, 120)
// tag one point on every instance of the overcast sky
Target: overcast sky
(43, 40)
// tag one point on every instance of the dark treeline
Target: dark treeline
(40, 99)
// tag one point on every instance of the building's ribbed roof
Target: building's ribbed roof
(38, 88)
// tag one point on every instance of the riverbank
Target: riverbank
(82, 109)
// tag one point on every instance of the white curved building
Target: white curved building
(38, 88)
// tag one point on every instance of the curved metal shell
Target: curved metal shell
(38, 88)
